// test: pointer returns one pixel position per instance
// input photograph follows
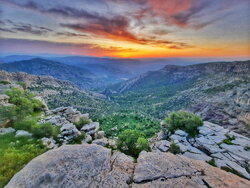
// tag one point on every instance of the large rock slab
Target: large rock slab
(85, 166)
(158, 170)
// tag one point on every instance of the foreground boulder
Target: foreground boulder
(93, 166)
(76, 166)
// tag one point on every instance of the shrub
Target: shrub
(4, 82)
(132, 142)
(212, 162)
(174, 148)
(183, 120)
(7, 113)
(83, 121)
(25, 102)
(45, 130)
(26, 124)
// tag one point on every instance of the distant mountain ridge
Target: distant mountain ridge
(172, 74)
(81, 77)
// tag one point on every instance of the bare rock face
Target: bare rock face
(94, 166)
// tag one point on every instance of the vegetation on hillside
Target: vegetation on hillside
(116, 123)
(15, 153)
(22, 114)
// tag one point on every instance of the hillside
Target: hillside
(79, 76)
(60, 93)
(217, 91)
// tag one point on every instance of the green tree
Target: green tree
(132, 142)
(183, 120)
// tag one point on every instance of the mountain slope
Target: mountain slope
(59, 93)
(81, 77)
(219, 92)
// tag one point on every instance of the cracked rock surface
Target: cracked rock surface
(91, 165)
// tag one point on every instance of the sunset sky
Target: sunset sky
(126, 28)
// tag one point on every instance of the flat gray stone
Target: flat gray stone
(237, 150)
(217, 138)
(196, 156)
(204, 141)
(205, 130)
(233, 165)
(241, 141)
(181, 133)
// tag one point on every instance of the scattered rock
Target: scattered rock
(22, 133)
(88, 139)
(68, 132)
(99, 135)
(49, 143)
(102, 142)
(91, 128)
(163, 145)
(6, 130)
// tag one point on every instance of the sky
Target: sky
(126, 28)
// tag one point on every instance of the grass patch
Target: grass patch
(212, 162)
(174, 148)
(229, 140)
(15, 153)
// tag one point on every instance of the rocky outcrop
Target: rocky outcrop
(94, 166)
(69, 113)
(226, 148)
(168, 170)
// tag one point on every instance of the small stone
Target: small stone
(49, 143)
(6, 130)
(22, 133)
(101, 142)
(177, 137)
(163, 145)
(99, 135)
(88, 139)
(91, 128)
